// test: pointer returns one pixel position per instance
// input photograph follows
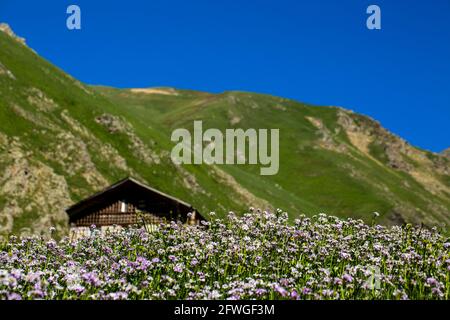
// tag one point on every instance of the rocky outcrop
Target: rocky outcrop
(327, 139)
(5, 72)
(446, 153)
(163, 91)
(4, 27)
(115, 125)
(242, 194)
(38, 99)
(364, 133)
(21, 177)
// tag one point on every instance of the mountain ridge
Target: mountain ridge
(5, 28)
(62, 140)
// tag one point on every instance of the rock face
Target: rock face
(116, 125)
(21, 177)
(446, 153)
(6, 72)
(368, 135)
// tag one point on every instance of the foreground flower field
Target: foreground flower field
(257, 256)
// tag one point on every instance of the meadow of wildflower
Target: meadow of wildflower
(259, 255)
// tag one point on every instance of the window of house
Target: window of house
(123, 206)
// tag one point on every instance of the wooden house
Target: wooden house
(126, 203)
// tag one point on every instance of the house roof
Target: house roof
(85, 202)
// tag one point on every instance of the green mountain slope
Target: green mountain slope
(61, 140)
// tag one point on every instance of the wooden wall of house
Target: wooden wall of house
(154, 211)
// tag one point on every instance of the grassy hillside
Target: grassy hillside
(331, 160)
(61, 140)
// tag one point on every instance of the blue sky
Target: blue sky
(314, 51)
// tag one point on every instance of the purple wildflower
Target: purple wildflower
(282, 291)
(347, 278)
(155, 260)
(178, 268)
(14, 296)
